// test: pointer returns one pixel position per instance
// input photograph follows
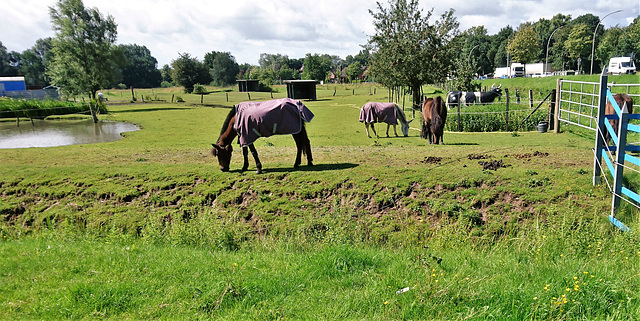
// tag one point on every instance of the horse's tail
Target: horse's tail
(303, 139)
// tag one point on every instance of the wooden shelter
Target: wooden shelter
(301, 89)
(245, 85)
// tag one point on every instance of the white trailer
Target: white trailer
(621, 65)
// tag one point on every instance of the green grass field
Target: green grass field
(148, 227)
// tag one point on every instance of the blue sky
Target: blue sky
(247, 28)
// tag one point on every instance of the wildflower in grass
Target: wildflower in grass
(386, 302)
(535, 298)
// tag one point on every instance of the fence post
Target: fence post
(459, 125)
(620, 153)
(530, 98)
(556, 117)
(506, 113)
(552, 108)
(602, 100)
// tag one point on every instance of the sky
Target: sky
(247, 28)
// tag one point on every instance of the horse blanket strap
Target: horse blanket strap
(379, 112)
(273, 117)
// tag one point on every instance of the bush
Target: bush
(491, 118)
(166, 84)
(199, 89)
(121, 86)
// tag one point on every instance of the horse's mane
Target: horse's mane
(400, 114)
(225, 125)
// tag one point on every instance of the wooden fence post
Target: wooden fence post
(556, 117)
(530, 98)
(506, 115)
(552, 108)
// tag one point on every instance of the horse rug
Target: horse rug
(266, 118)
(379, 112)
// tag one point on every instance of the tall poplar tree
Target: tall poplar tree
(84, 55)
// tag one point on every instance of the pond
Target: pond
(50, 133)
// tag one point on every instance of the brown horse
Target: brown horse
(621, 100)
(232, 128)
(434, 116)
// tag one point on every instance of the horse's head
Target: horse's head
(405, 128)
(223, 153)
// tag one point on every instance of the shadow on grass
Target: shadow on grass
(304, 168)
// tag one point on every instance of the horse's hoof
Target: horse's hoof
(244, 169)
(310, 164)
(296, 165)
(258, 171)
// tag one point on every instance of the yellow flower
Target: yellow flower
(386, 302)
(535, 298)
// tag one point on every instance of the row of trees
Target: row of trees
(407, 49)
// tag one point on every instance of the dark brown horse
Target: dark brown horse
(222, 149)
(434, 116)
(621, 100)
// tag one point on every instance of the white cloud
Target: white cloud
(247, 28)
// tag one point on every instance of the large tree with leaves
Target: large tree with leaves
(524, 46)
(141, 70)
(223, 67)
(84, 53)
(408, 49)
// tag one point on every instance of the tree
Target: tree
(222, 66)
(84, 55)
(7, 62)
(33, 63)
(188, 71)
(316, 67)
(141, 70)
(578, 44)
(354, 70)
(524, 45)
(499, 43)
(165, 72)
(409, 50)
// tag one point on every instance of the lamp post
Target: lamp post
(546, 58)
(593, 42)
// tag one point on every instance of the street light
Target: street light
(546, 58)
(593, 42)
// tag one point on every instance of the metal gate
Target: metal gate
(578, 101)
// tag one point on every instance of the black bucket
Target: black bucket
(542, 127)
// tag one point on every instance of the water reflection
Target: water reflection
(49, 133)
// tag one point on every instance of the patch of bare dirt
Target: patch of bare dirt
(529, 155)
(477, 156)
(492, 164)
(431, 160)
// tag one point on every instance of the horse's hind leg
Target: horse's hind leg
(245, 156)
(299, 148)
(254, 152)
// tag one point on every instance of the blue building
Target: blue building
(12, 84)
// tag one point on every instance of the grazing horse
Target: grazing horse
(389, 113)
(434, 116)
(621, 100)
(251, 120)
(464, 98)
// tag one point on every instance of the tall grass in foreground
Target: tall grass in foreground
(552, 270)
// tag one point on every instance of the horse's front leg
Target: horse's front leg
(374, 131)
(245, 156)
(394, 131)
(366, 126)
(254, 152)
